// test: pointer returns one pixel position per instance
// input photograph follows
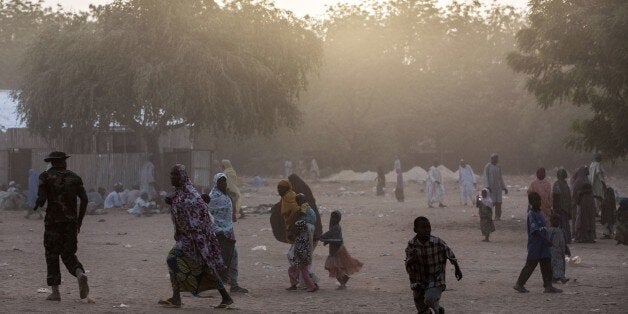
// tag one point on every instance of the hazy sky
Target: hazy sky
(299, 7)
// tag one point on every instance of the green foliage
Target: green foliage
(576, 52)
(156, 65)
(20, 22)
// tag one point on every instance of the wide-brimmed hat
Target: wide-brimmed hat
(56, 155)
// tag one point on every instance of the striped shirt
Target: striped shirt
(425, 262)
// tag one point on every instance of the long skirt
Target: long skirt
(558, 262)
(342, 264)
(585, 221)
(187, 275)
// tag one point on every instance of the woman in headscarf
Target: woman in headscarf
(585, 204)
(562, 202)
(221, 208)
(195, 260)
(232, 184)
(300, 187)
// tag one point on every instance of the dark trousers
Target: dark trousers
(546, 271)
(60, 241)
(426, 299)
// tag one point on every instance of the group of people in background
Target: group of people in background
(205, 256)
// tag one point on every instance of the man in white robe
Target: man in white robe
(147, 178)
(494, 182)
(466, 180)
(114, 199)
(435, 186)
(597, 178)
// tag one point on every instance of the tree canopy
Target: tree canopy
(576, 52)
(156, 65)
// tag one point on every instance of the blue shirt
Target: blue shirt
(537, 247)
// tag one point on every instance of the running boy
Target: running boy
(426, 259)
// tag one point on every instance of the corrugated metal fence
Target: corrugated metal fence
(101, 170)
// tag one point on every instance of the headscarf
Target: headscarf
(193, 224)
(561, 174)
(299, 186)
(221, 208)
(487, 201)
(289, 204)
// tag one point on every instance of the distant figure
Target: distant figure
(558, 250)
(544, 189)
(232, 184)
(585, 204)
(485, 206)
(95, 203)
(399, 187)
(258, 182)
(607, 218)
(315, 172)
(467, 183)
(133, 194)
(143, 206)
(339, 263)
(563, 204)
(31, 197)
(538, 248)
(621, 234)
(114, 199)
(597, 178)
(435, 186)
(494, 182)
(381, 181)
(147, 178)
(33, 181)
(287, 167)
(426, 262)
(65, 195)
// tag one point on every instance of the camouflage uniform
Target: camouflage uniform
(60, 188)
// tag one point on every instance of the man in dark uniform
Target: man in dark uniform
(60, 188)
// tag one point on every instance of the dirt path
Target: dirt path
(125, 260)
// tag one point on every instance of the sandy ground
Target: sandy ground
(125, 260)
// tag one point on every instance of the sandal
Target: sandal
(169, 304)
(224, 306)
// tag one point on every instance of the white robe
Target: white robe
(435, 191)
(466, 180)
(494, 182)
(147, 180)
(113, 200)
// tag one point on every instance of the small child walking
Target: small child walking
(558, 250)
(301, 258)
(485, 206)
(426, 261)
(538, 248)
(339, 263)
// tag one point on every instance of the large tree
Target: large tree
(20, 22)
(577, 52)
(157, 65)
